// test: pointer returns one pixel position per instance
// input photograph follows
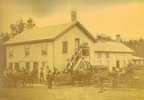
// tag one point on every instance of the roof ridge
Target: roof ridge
(57, 24)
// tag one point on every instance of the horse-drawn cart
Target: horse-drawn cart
(63, 79)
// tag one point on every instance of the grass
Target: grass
(41, 92)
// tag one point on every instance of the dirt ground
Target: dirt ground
(41, 92)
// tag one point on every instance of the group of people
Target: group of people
(44, 74)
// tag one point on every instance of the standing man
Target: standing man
(49, 79)
(114, 75)
(35, 73)
(47, 70)
(41, 75)
(69, 66)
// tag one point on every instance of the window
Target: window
(44, 48)
(107, 55)
(10, 51)
(107, 63)
(139, 62)
(65, 47)
(27, 66)
(27, 50)
(11, 66)
(99, 55)
(16, 66)
(44, 64)
(35, 65)
(99, 62)
(123, 63)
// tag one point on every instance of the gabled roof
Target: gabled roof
(111, 47)
(137, 58)
(49, 33)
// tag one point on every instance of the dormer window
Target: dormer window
(44, 49)
(27, 50)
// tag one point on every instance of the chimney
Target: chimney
(103, 38)
(73, 16)
(30, 24)
(118, 39)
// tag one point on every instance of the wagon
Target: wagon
(63, 79)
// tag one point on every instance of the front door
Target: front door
(117, 64)
(77, 44)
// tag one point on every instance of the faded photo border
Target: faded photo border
(56, 49)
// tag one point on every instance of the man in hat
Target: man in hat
(69, 66)
(42, 74)
(49, 79)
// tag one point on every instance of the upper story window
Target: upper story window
(65, 47)
(107, 55)
(44, 48)
(10, 51)
(99, 55)
(27, 49)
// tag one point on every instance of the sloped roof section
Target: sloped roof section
(111, 47)
(137, 58)
(45, 33)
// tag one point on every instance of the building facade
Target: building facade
(49, 46)
(112, 54)
(53, 45)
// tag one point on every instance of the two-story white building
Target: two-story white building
(49, 46)
(112, 54)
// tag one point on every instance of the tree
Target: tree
(17, 28)
(104, 37)
(136, 45)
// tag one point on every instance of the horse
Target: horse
(100, 76)
(20, 77)
(82, 76)
(103, 74)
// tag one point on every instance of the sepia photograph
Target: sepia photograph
(71, 49)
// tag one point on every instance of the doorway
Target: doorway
(77, 44)
(117, 64)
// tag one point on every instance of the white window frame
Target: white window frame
(99, 55)
(64, 49)
(11, 65)
(27, 50)
(107, 55)
(44, 50)
(10, 49)
(27, 66)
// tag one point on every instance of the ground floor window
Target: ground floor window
(99, 63)
(117, 64)
(16, 66)
(123, 63)
(44, 64)
(27, 66)
(35, 65)
(11, 66)
(107, 63)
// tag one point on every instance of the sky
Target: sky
(110, 17)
